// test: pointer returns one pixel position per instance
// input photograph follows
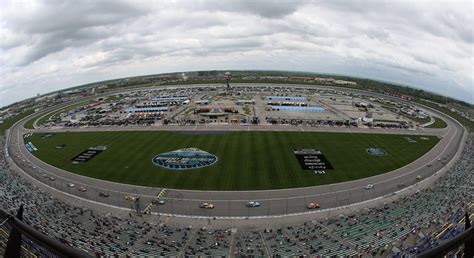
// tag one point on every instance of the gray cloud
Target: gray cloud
(60, 15)
(271, 9)
(428, 44)
(440, 18)
(56, 25)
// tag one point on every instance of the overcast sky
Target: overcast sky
(51, 45)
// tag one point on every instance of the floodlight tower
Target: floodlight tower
(227, 77)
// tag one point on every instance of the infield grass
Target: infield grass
(7, 123)
(438, 123)
(246, 160)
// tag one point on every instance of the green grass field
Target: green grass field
(29, 124)
(246, 160)
(438, 123)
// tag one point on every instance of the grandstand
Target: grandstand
(408, 226)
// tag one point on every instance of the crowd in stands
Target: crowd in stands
(406, 226)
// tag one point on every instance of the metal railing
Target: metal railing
(465, 238)
(31, 243)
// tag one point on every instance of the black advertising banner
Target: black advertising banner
(312, 159)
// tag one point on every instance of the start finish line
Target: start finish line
(312, 159)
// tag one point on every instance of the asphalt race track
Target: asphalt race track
(232, 203)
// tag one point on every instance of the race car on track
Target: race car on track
(252, 204)
(158, 202)
(312, 205)
(131, 198)
(102, 194)
(206, 205)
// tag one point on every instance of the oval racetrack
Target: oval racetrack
(232, 203)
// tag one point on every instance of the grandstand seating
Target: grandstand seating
(412, 224)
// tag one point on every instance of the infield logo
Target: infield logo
(187, 158)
